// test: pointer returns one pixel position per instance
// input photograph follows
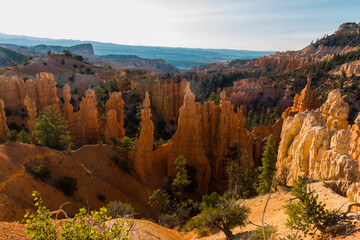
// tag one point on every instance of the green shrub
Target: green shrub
(41, 172)
(68, 185)
(307, 214)
(270, 233)
(222, 213)
(12, 136)
(90, 226)
(24, 137)
(120, 210)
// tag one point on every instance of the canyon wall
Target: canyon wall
(166, 96)
(87, 120)
(4, 130)
(315, 144)
(32, 112)
(187, 141)
(42, 90)
(205, 136)
(302, 59)
(114, 117)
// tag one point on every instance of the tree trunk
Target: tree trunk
(228, 234)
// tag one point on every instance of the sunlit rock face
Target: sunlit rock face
(306, 100)
(87, 120)
(116, 127)
(144, 145)
(187, 141)
(315, 144)
(4, 130)
(32, 112)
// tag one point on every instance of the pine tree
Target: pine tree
(268, 166)
(51, 129)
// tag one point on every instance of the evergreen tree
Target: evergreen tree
(51, 129)
(268, 166)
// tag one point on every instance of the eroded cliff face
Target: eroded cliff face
(144, 145)
(187, 141)
(68, 110)
(42, 90)
(302, 59)
(305, 100)
(355, 140)
(32, 112)
(4, 130)
(221, 129)
(87, 120)
(166, 96)
(116, 104)
(205, 136)
(12, 91)
(315, 144)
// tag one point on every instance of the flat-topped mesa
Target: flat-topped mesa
(87, 120)
(68, 110)
(32, 112)
(315, 144)
(116, 103)
(306, 100)
(4, 130)
(187, 141)
(144, 145)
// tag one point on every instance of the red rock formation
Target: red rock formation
(68, 110)
(187, 141)
(4, 130)
(31, 109)
(219, 133)
(166, 96)
(315, 144)
(46, 90)
(306, 100)
(112, 126)
(43, 91)
(144, 145)
(87, 120)
(302, 59)
(116, 103)
(12, 91)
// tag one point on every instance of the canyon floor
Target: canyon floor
(274, 216)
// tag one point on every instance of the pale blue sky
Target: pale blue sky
(234, 24)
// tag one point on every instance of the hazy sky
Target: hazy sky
(234, 24)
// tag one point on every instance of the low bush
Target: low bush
(270, 233)
(90, 226)
(68, 185)
(101, 197)
(41, 172)
(120, 210)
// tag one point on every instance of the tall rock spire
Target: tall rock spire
(144, 145)
(3, 126)
(187, 141)
(31, 109)
(115, 103)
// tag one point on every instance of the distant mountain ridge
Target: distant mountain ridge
(181, 58)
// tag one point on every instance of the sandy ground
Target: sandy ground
(274, 216)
